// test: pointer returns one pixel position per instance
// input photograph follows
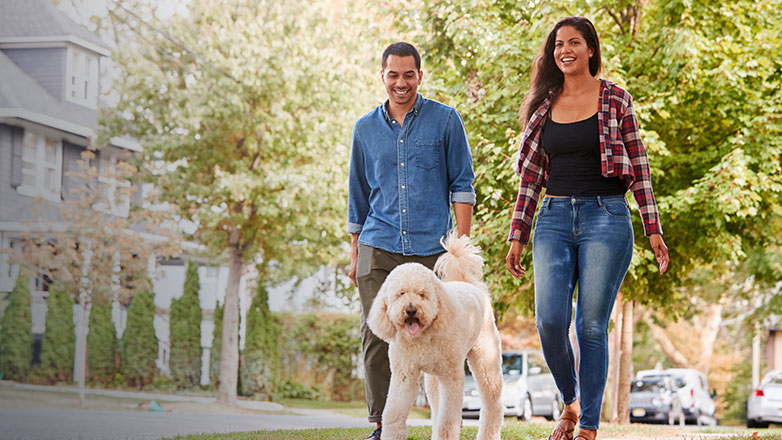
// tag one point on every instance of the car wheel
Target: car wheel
(526, 413)
(751, 423)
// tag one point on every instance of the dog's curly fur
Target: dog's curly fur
(431, 326)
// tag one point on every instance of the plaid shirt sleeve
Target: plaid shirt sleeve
(642, 183)
(531, 165)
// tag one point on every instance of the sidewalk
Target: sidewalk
(160, 397)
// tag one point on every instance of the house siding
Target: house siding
(45, 65)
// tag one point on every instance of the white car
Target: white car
(693, 390)
(764, 405)
(528, 388)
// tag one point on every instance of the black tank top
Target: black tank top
(573, 151)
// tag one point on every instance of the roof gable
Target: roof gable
(39, 21)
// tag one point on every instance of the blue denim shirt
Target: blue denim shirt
(404, 179)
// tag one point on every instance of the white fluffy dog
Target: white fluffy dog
(431, 327)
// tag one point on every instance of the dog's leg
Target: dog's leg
(449, 412)
(486, 366)
(402, 392)
(432, 384)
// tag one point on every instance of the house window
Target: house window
(41, 166)
(115, 190)
(82, 82)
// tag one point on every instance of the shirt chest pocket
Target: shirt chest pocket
(428, 153)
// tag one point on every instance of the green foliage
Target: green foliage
(217, 343)
(185, 328)
(16, 335)
(139, 345)
(259, 151)
(288, 389)
(706, 82)
(59, 338)
(737, 393)
(324, 348)
(102, 345)
(261, 356)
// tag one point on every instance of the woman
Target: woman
(581, 142)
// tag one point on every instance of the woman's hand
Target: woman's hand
(513, 260)
(660, 251)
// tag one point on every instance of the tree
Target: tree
(91, 247)
(102, 342)
(16, 334)
(261, 355)
(139, 345)
(185, 330)
(708, 99)
(240, 103)
(59, 338)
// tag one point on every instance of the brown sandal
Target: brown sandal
(581, 436)
(570, 417)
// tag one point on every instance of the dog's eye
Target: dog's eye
(400, 293)
(422, 294)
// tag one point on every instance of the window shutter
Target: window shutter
(17, 137)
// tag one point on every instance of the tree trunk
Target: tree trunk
(709, 337)
(671, 352)
(625, 365)
(229, 354)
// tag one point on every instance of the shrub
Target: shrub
(101, 345)
(261, 354)
(59, 338)
(185, 326)
(139, 345)
(217, 343)
(16, 335)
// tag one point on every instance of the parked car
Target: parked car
(655, 400)
(528, 388)
(693, 390)
(764, 405)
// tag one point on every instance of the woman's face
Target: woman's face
(571, 53)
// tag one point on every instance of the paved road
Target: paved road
(51, 424)
(57, 424)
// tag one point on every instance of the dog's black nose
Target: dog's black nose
(410, 310)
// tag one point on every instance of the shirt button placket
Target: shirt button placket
(403, 195)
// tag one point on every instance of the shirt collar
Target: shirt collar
(419, 102)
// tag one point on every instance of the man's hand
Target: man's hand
(660, 251)
(353, 258)
(513, 260)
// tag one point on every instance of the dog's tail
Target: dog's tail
(461, 261)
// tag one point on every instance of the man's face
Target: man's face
(401, 79)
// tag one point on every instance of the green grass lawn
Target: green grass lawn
(511, 430)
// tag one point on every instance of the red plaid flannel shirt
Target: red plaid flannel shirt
(622, 155)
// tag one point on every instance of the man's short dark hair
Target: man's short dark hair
(402, 49)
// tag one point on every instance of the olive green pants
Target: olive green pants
(372, 268)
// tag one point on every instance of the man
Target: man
(410, 161)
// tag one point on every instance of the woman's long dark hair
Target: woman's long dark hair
(546, 76)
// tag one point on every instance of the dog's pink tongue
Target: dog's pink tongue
(412, 327)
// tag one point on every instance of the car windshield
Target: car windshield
(653, 385)
(512, 364)
(773, 377)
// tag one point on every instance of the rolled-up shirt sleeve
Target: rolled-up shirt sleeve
(459, 161)
(358, 188)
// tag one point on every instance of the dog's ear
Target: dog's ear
(378, 320)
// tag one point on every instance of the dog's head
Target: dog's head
(407, 302)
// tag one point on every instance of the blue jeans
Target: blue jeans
(585, 242)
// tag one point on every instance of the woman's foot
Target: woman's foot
(567, 422)
(586, 434)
